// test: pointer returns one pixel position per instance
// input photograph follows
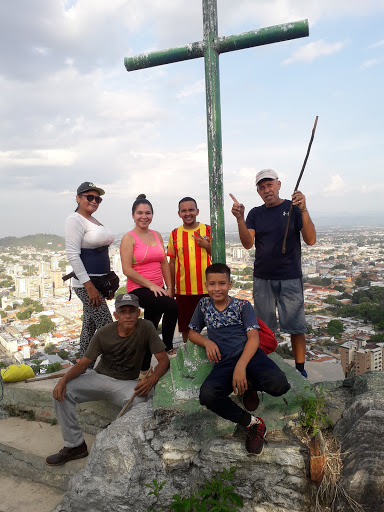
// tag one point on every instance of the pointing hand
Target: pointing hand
(237, 208)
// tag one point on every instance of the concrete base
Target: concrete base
(18, 494)
(37, 397)
(24, 446)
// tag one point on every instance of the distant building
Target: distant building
(309, 270)
(54, 263)
(359, 357)
(56, 277)
(116, 264)
(21, 287)
(237, 253)
(44, 269)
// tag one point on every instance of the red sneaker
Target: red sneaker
(255, 437)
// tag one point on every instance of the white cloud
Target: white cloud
(312, 51)
(192, 89)
(370, 63)
(37, 157)
(41, 50)
(69, 111)
(336, 185)
(376, 45)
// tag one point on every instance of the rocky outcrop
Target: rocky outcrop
(134, 450)
(360, 432)
(173, 440)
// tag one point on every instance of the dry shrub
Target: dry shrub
(330, 491)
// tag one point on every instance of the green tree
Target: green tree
(49, 348)
(45, 325)
(24, 315)
(63, 265)
(284, 351)
(339, 266)
(63, 354)
(54, 367)
(122, 289)
(7, 283)
(335, 328)
(3, 314)
(36, 365)
(8, 308)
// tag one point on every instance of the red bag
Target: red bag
(268, 341)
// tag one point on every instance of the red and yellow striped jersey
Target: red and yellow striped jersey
(191, 260)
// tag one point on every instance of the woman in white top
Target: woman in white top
(82, 233)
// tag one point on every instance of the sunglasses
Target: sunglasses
(91, 197)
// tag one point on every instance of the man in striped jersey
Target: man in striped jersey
(189, 249)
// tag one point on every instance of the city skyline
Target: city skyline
(70, 111)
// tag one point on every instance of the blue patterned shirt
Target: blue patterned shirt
(227, 328)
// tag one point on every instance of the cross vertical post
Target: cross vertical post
(215, 153)
(210, 48)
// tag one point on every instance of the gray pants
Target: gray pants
(89, 387)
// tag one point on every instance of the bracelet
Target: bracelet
(304, 210)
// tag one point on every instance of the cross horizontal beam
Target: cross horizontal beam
(268, 35)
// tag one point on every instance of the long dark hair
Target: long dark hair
(141, 199)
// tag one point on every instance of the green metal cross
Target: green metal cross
(210, 48)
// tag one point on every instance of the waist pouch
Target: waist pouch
(96, 261)
(107, 284)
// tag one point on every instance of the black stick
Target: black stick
(283, 249)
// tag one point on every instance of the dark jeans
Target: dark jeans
(262, 374)
(154, 309)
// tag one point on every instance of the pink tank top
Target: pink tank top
(146, 261)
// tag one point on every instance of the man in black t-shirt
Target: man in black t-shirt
(278, 277)
(122, 346)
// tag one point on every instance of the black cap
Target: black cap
(88, 185)
(126, 299)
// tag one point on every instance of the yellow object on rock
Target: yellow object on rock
(17, 372)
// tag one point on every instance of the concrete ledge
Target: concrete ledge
(37, 397)
(30, 496)
(24, 446)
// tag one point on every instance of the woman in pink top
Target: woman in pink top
(146, 266)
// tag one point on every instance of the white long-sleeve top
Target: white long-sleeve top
(81, 233)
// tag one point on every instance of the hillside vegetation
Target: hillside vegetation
(38, 241)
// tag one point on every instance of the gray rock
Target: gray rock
(360, 432)
(133, 451)
(173, 448)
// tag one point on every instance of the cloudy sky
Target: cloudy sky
(70, 112)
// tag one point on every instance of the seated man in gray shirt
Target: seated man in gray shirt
(122, 346)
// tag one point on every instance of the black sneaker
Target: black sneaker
(251, 400)
(255, 437)
(66, 454)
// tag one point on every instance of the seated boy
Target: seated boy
(240, 365)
